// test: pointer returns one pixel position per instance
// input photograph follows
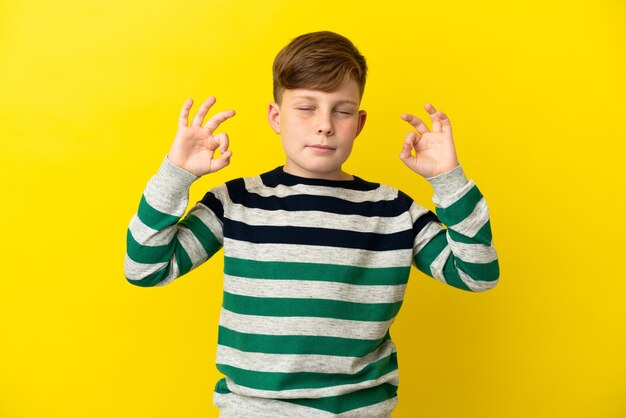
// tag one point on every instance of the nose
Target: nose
(325, 125)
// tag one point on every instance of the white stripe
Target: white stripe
(138, 271)
(475, 221)
(382, 193)
(391, 377)
(476, 285)
(145, 235)
(209, 219)
(310, 289)
(300, 363)
(192, 246)
(436, 267)
(317, 254)
(473, 253)
(317, 219)
(311, 326)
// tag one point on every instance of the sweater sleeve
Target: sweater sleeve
(461, 255)
(159, 245)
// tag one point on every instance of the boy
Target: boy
(315, 259)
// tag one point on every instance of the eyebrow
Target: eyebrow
(315, 98)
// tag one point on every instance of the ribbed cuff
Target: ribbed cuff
(447, 184)
(176, 177)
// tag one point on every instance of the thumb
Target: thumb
(216, 164)
(409, 141)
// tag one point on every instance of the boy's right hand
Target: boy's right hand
(195, 146)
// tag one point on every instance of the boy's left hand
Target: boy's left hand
(434, 151)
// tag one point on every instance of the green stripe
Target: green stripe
(484, 272)
(451, 275)
(147, 254)
(208, 241)
(297, 344)
(460, 209)
(221, 387)
(321, 308)
(424, 258)
(483, 236)
(152, 279)
(153, 218)
(307, 380)
(322, 272)
(182, 259)
(350, 401)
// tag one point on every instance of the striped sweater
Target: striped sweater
(314, 275)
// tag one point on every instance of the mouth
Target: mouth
(320, 147)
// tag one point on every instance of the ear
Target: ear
(273, 117)
(362, 118)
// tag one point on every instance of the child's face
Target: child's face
(318, 129)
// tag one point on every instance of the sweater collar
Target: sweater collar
(278, 176)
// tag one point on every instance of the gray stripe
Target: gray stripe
(444, 201)
(300, 363)
(232, 405)
(416, 211)
(383, 193)
(192, 246)
(473, 253)
(305, 289)
(379, 410)
(425, 236)
(138, 271)
(311, 326)
(476, 285)
(475, 221)
(210, 220)
(145, 235)
(316, 219)
(174, 273)
(316, 254)
(391, 377)
(436, 267)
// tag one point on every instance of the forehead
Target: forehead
(347, 92)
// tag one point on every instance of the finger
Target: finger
(416, 122)
(183, 119)
(442, 120)
(410, 141)
(202, 111)
(217, 119)
(221, 140)
(434, 117)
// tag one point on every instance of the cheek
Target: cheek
(349, 125)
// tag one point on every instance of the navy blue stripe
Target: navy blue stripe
(385, 208)
(213, 203)
(317, 236)
(424, 220)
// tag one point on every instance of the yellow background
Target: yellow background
(89, 98)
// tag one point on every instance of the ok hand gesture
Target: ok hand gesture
(195, 146)
(434, 151)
